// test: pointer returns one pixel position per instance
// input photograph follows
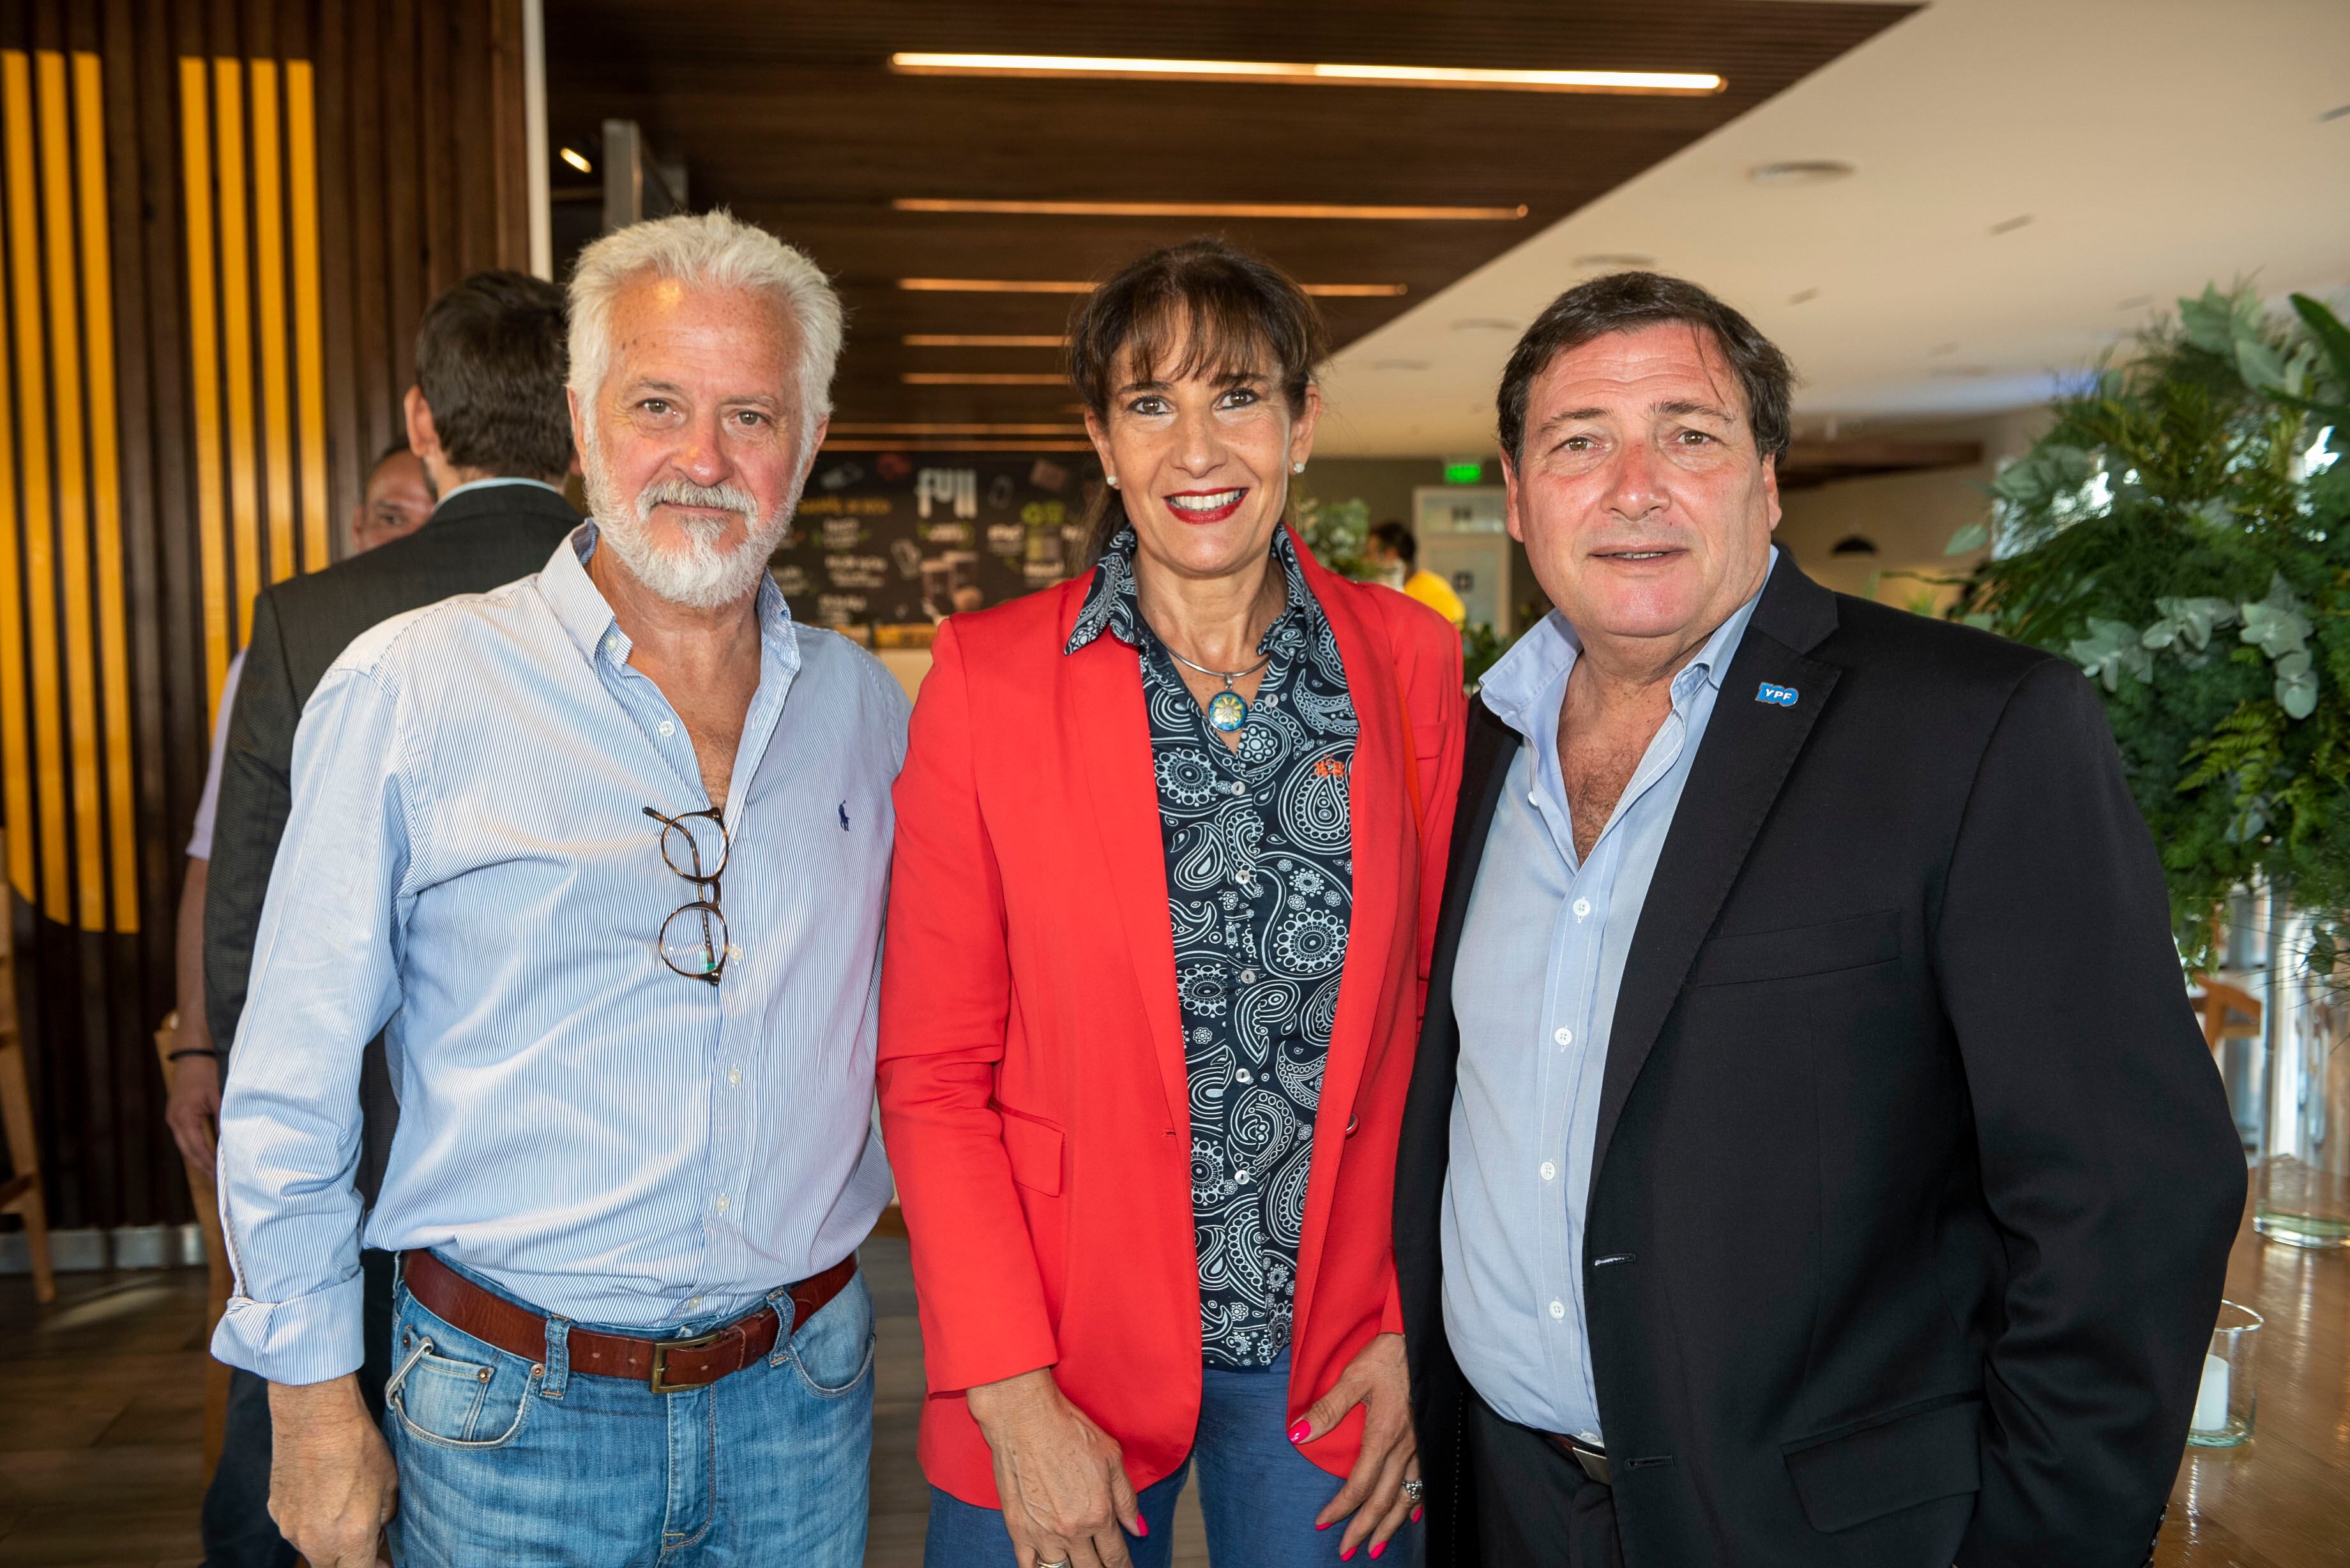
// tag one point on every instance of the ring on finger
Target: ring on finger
(1415, 1490)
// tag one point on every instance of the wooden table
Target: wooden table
(2282, 1499)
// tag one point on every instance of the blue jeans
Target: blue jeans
(1257, 1493)
(503, 1459)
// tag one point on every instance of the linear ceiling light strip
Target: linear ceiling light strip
(1337, 211)
(1039, 285)
(1290, 73)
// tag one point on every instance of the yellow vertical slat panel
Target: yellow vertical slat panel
(269, 269)
(309, 359)
(106, 480)
(236, 332)
(203, 371)
(86, 782)
(33, 449)
(15, 739)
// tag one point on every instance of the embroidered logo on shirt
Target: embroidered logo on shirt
(844, 816)
(1782, 696)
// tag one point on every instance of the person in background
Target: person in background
(603, 853)
(397, 501)
(486, 422)
(1813, 1161)
(1395, 553)
(1171, 838)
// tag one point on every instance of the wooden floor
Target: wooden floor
(104, 1396)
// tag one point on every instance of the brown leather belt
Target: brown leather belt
(664, 1364)
(1593, 1460)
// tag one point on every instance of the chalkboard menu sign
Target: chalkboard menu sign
(887, 545)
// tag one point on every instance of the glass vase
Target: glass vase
(2302, 1192)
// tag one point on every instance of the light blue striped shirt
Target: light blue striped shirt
(1533, 989)
(469, 869)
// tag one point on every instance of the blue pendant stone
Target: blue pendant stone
(1227, 711)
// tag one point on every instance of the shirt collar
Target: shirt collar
(588, 619)
(447, 496)
(1525, 683)
(1110, 603)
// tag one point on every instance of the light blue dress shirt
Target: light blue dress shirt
(468, 867)
(1533, 991)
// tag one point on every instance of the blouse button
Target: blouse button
(1248, 977)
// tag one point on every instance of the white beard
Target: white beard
(703, 576)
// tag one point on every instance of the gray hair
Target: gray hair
(705, 250)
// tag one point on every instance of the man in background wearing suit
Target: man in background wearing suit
(489, 419)
(1812, 1161)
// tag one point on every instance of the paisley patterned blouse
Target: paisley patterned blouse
(1260, 890)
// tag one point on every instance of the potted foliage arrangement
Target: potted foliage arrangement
(2182, 532)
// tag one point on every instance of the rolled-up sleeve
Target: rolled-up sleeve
(324, 980)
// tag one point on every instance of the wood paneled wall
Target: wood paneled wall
(220, 221)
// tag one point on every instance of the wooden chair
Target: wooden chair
(206, 1199)
(21, 1195)
(2227, 1013)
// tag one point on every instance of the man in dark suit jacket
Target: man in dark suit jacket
(1812, 1160)
(489, 419)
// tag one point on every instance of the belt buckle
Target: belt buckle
(1593, 1460)
(662, 1347)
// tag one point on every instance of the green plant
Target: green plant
(2184, 535)
(1480, 649)
(2182, 532)
(1336, 531)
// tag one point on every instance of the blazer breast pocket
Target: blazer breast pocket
(1854, 941)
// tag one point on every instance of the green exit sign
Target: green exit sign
(1464, 471)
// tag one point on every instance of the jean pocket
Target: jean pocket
(834, 1350)
(451, 1389)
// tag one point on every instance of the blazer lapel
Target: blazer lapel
(1104, 684)
(1750, 745)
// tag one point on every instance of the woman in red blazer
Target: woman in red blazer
(1170, 839)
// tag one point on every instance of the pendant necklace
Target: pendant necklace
(1227, 710)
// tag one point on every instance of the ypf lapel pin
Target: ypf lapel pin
(1777, 696)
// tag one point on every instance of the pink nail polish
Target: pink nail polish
(1348, 1555)
(1297, 1433)
(1141, 1528)
(1417, 1512)
(1377, 1548)
(1326, 1526)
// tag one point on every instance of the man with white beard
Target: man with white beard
(603, 854)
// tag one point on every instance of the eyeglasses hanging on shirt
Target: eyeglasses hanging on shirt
(693, 938)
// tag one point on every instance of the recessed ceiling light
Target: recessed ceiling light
(1042, 285)
(954, 443)
(1803, 296)
(985, 340)
(1333, 209)
(1084, 66)
(1615, 261)
(1801, 171)
(578, 160)
(1854, 544)
(2010, 226)
(1486, 324)
(982, 378)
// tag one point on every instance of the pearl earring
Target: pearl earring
(1113, 481)
(1296, 468)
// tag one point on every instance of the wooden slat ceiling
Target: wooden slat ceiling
(787, 113)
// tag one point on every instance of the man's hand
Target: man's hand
(1374, 1494)
(194, 1101)
(1060, 1478)
(332, 1488)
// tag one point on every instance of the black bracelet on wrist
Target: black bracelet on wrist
(212, 1051)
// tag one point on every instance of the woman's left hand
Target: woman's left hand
(1373, 1493)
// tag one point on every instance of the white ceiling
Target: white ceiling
(2154, 145)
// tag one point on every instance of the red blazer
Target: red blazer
(1034, 1095)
